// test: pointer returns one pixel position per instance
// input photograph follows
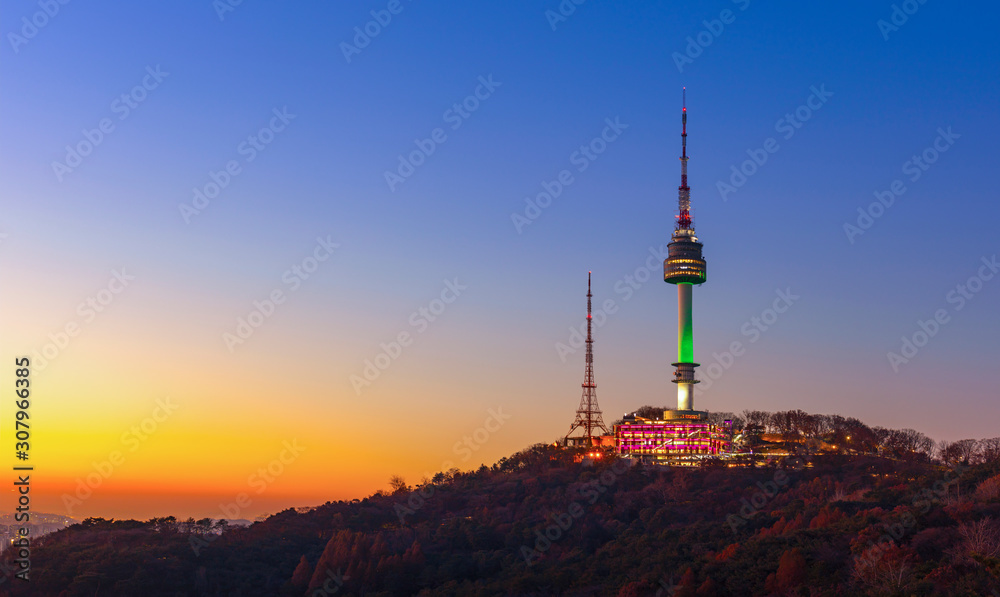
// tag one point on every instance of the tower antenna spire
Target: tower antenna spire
(588, 415)
(684, 191)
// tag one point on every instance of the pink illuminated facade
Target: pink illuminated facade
(675, 439)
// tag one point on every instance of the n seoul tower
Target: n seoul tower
(683, 267)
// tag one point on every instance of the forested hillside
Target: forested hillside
(539, 523)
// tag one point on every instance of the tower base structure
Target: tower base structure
(596, 441)
(685, 415)
(684, 378)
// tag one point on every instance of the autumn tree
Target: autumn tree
(966, 451)
(989, 489)
(884, 568)
(686, 588)
(791, 570)
(398, 484)
(981, 538)
(708, 589)
(989, 450)
(302, 575)
(755, 418)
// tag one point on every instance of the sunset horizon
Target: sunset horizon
(298, 265)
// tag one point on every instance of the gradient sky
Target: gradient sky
(494, 346)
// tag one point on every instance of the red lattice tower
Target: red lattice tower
(588, 416)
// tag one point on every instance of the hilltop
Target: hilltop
(538, 523)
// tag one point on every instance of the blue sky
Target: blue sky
(556, 84)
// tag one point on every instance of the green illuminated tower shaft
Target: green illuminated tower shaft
(684, 372)
(685, 339)
(684, 267)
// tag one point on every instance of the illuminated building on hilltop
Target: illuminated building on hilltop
(677, 439)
